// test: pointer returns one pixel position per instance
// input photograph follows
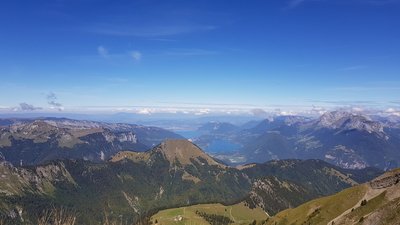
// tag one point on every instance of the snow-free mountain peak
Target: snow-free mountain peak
(349, 121)
(184, 151)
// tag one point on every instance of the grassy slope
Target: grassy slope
(359, 212)
(238, 213)
(322, 210)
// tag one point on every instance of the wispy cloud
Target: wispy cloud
(102, 51)
(190, 52)
(27, 107)
(295, 3)
(147, 31)
(136, 56)
(208, 104)
(291, 4)
(365, 88)
(346, 102)
(351, 68)
(52, 101)
(395, 102)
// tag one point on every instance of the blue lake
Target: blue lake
(222, 146)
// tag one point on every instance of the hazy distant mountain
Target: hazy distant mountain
(33, 141)
(218, 128)
(172, 174)
(342, 138)
(344, 121)
(391, 121)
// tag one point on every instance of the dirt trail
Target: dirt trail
(230, 213)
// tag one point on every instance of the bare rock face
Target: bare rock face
(348, 121)
(127, 137)
(345, 157)
(38, 180)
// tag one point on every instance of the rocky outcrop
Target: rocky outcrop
(38, 180)
(348, 121)
(386, 180)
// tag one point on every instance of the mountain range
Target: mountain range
(294, 169)
(34, 141)
(132, 185)
(342, 138)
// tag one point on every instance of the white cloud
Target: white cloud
(357, 109)
(102, 51)
(202, 112)
(286, 113)
(145, 111)
(392, 111)
(136, 56)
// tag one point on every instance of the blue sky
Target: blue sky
(116, 55)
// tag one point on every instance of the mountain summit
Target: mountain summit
(348, 121)
(176, 152)
(184, 152)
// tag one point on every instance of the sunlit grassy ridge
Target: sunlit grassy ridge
(376, 202)
(322, 210)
